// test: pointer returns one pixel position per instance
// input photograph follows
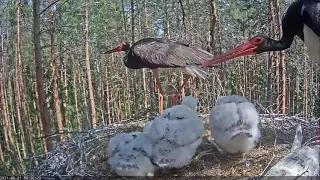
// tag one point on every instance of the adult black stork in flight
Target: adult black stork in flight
(163, 53)
(302, 18)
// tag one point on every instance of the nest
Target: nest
(84, 154)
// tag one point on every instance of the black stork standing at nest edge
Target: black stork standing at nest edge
(301, 19)
(163, 53)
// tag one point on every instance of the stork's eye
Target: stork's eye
(257, 40)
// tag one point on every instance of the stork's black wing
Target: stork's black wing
(311, 15)
(300, 13)
(163, 52)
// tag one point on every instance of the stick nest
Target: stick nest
(84, 154)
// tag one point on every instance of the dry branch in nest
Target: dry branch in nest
(84, 154)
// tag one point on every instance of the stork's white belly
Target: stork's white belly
(312, 42)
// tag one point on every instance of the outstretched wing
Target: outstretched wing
(164, 52)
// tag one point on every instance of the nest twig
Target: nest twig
(84, 154)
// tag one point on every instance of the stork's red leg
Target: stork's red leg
(175, 98)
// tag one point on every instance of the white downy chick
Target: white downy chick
(175, 141)
(133, 158)
(157, 128)
(190, 102)
(118, 141)
(167, 156)
(234, 124)
(147, 126)
(300, 163)
(187, 109)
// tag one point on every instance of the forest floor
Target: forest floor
(85, 153)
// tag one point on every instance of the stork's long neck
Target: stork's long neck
(284, 43)
(276, 45)
(126, 50)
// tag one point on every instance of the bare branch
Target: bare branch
(183, 14)
(48, 6)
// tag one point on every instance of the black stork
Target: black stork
(163, 53)
(301, 19)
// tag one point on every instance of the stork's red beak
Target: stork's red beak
(242, 50)
(117, 49)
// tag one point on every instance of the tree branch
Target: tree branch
(55, 134)
(183, 14)
(48, 6)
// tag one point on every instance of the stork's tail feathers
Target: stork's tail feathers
(197, 72)
(297, 138)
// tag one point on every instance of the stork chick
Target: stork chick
(175, 141)
(187, 110)
(176, 134)
(302, 161)
(118, 141)
(234, 124)
(132, 155)
(178, 112)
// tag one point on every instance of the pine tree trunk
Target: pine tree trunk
(305, 85)
(18, 112)
(274, 32)
(75, 89)
(289, 97)
(119, 104)
(170, 89)
(297, 93)
(18, 83)
(127, 92)
(2, 155)
(144, 84)
(14, 141)
(86, 107)
(136, 93)
(26, 114)
(45, 118)
(276, 58)
(244, 77)
(151, 79)
(181, 74)
(107, 97)
(56, 98)
(3, 103)
(213, 21)
(76, 99)
(39, 120)
(65, 87)
(282, 67)
(87, 54)
(270, 57)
